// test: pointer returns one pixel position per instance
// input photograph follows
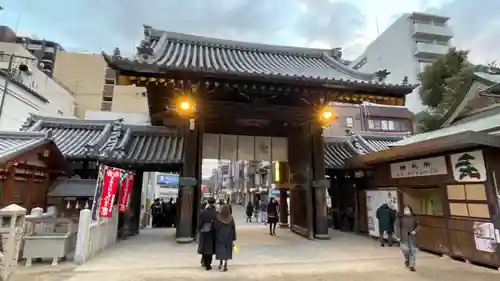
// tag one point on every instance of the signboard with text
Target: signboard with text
(419, 168)
(167, 179)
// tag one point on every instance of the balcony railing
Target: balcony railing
(441, 32)
(428, 50)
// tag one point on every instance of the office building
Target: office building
(94, 85)
(405, 48)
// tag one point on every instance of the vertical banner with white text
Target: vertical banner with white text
(97, 192)
(110, 183)
(125, 192)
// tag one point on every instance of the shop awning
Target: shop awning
(467, 139)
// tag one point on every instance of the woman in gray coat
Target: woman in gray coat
(225, 235)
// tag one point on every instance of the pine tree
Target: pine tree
(440, 84)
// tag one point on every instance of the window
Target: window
(349, 122)
(385, 125)
(468, 200)
(388, 125)
(107, 99)
(106, 106)
(392, 126)
(371, 124)
(424, 201)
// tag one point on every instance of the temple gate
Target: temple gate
(205, 86)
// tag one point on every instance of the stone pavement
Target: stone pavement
(154, 255)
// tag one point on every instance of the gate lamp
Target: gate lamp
(185, 106)
(327, 115)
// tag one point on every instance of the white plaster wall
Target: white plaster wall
(18, 104)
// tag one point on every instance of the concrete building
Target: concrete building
(28, 89)
(369, 117)
(94, 85)
(405, 48)
(44, 50)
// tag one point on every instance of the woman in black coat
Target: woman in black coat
(249, 211)
(225, 235)
(272, 216)
(206, 245)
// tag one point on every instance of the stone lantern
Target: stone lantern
(11, 229)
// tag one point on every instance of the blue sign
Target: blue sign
(167, 179)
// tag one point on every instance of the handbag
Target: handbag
(206, 227)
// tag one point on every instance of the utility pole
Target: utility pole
(8, 77)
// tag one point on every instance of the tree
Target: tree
(440, 84)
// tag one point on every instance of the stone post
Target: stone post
(12, 227)
(320, 214)
(83, 236)
(184, 228)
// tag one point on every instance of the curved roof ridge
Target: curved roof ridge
(235, 44)
(346, 69)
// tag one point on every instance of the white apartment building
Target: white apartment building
(412, 42)
(29, 90)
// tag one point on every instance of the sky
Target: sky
(97, 25)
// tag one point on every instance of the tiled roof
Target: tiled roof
(339, 149)
(163, 51)
(75, 138)
(391, 111)
(14, 143)
(74, 188)
(151, 145)
(111, 140)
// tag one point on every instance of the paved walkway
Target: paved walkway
(154, 255)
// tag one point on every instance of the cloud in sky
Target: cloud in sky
(96, 25)
(92, 25)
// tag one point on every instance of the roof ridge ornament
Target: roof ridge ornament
(114, 138)
(145, 50)
(381, 75)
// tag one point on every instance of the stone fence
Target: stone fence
(94, 236)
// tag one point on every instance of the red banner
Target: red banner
(110, 182)
(125, 192)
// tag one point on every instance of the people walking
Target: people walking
(225, 235)
(256, 211)
(206, 244)
(386, 217)
(249, 211)
(408, 225)
(263, 211)
(156, 213)
(272, 216)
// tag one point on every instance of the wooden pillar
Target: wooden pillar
(320, 184)
(283, 208)
(135, 203)
(299, 161)
(188, 182)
